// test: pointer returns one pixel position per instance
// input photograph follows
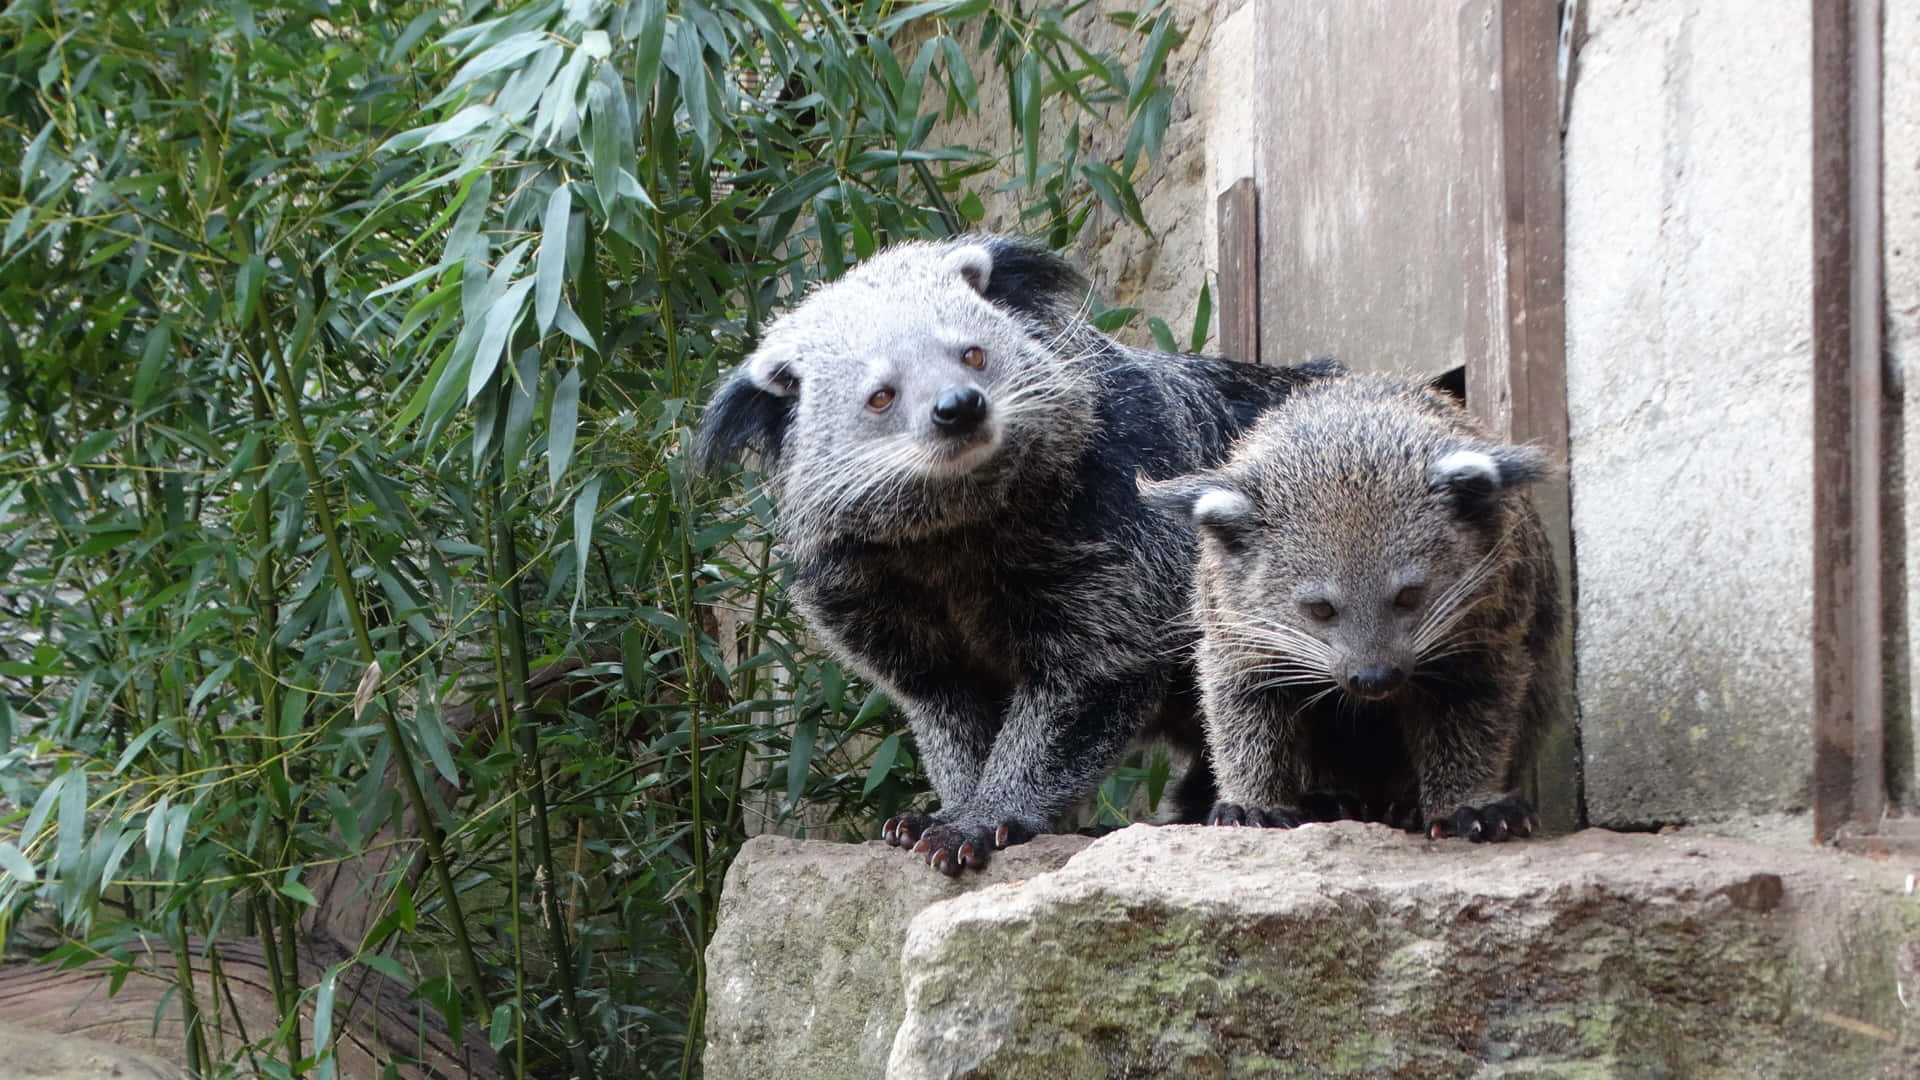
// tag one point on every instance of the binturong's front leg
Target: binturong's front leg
(953, 735)
(1056, 745)
(1461, 756)
(1256, 762)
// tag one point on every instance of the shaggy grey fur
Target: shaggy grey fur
(952, 452)
(1379, 613)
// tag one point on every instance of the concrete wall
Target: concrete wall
(1688, 323)
(1900, 196)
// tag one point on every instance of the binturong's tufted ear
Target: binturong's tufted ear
(1208, 501)
(1473, 477)
(751, 410)
(974, 264)
(1018, 275)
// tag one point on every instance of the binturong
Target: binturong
(951, 450)
(1380, 614)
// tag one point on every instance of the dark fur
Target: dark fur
(1418, 692)
(1018, 611)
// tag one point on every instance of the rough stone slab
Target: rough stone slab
(1354, 950)
(803, 972)
(26, 1054)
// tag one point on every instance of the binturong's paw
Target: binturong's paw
(950, 848)
(904, 829)
(1270, 817)
(1342, 806)
(1509, 815)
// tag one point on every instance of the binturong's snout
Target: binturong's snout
(1375, 681)
(959, 410)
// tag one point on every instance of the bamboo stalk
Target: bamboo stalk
(403, 758)
(527, 737)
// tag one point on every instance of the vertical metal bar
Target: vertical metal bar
(1239, 214)
(1848, 736)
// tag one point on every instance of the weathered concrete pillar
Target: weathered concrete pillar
(1688, 309)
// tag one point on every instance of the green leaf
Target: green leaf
(800, 758)
(151, 358)
(562, 423)
(73, 821)
(156, 836)
(1202, 319)
(246, 289)
(403, 905)
(1162, 334)
(388, 966)
(584, 506)
(291, 888)
(1029, 103)
(882, 767)
(520, 402)
(501, 319)
(16, 865)
(92, 446)
(500, 1029)
(16, 228)
(550, 275)
(323, 1002)
(647, 26)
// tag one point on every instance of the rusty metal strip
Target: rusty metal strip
(1849, 768)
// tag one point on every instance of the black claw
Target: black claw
(905, 828)
(1010, 833)
(1227, 814)
(952, 848)
(1273, 817)
(1494, 823)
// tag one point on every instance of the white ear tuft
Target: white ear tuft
(974, 263)
(1466, 466)
(1221, 506)
(775, 370)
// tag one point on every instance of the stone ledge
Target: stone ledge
(1326, 950)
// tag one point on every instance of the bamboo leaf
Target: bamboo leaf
(647, 26)
(584, 506)
(501, 319)
(16, 865)
(800, 758)
(562, 423)
(72, 834)
(882, 767)
(550, 275)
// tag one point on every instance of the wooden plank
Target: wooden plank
(1366, 194)
(1849, 737)
(378, 1023)
(1239, 214)
(1527, 382)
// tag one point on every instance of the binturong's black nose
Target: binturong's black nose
(959, 409)
(1378, 681)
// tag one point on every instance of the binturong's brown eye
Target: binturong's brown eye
(880, 399)
(1321, 610)
(975, 357)
(1409, 598)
